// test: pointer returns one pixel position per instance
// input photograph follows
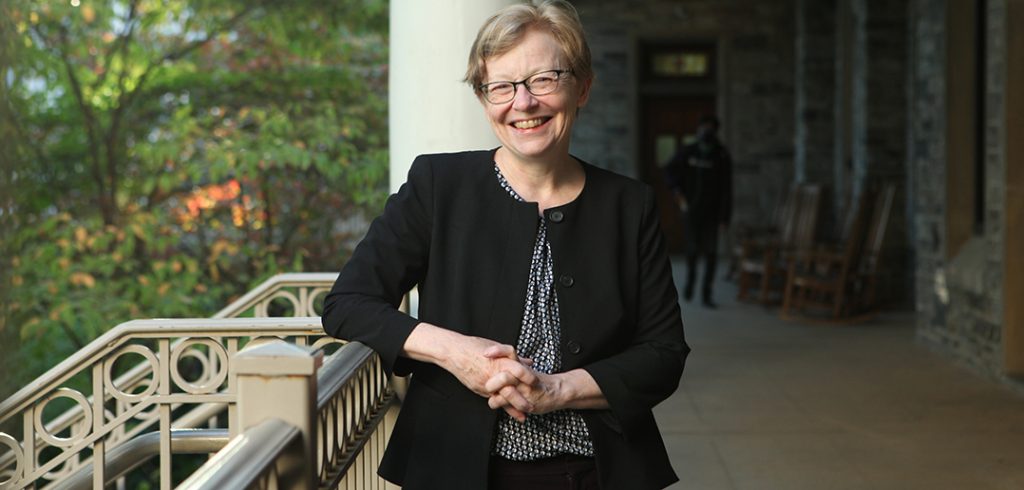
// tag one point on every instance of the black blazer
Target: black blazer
(453, 231)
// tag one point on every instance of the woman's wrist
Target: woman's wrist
(428, 343)
(577, 389)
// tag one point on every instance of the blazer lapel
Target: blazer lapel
(519, 220)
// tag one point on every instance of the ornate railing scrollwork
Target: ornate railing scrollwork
(184, 364)
(352, 404)
(168, 389)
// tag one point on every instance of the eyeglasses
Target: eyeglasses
(541, 83)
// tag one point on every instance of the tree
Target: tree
(168, 155)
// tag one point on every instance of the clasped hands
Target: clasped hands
(494, 371)
(508, 381)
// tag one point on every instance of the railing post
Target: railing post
(278, 380)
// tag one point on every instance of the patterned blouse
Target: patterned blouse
(553, 433)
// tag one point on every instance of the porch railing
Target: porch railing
(342, 412)
(182, 382)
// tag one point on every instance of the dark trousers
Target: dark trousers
(701, 241)
(566, 472)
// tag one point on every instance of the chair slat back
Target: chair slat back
(854, 243)
(786, 218)
(807, 216)
(876, 229)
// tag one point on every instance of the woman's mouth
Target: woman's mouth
(530, 123)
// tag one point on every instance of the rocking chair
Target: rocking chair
(843, 281)
(765, 260)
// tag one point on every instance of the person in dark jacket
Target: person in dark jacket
(700, 176)
(548, 325)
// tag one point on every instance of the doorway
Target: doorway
(677, 87)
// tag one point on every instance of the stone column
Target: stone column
(431, 109)
(879, 118)
(815, 99)
(879, 90)
(815, 89)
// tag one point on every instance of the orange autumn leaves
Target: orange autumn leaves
(216, 196)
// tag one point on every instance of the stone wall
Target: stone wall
(959, 295)
(926, 154)
(755, 87)
(815, 101)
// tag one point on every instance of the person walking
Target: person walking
(700, 177)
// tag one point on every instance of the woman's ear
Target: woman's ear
(584, 92)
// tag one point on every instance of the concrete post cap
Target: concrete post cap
(278, 359)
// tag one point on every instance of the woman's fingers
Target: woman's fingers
(516, 414)
(499, 381)
(516, 399)
(508, 396)
(523, 373)
(500, 350)
(498, 401)
(512, 388)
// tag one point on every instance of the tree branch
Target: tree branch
(121, 44)
(11, 115)
(75, 339)
(126, 99)
(181, 52)
(89, 121)
(312, 175)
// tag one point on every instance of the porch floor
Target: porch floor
(769, 404)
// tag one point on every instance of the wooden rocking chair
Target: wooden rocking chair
(765, 261)
(843, 280)
(747, 236)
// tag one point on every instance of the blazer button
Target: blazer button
(573, 346)
(566, 280)
(556, 216)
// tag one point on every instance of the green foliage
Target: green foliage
(167, 155)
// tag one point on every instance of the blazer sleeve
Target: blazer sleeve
(648, 370)
(392, 258)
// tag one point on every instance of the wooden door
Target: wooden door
(668, 121)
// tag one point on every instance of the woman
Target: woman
(548, 323)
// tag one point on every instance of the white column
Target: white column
(431, 109)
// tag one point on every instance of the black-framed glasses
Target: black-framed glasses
(540, 83)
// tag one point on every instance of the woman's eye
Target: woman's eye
(500, 87)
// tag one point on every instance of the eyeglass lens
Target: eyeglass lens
(539, 84)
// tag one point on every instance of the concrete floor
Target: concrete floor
(768, 404)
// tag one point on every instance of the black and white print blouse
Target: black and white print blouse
(553, 433)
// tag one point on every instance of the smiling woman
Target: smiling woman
(548, 325)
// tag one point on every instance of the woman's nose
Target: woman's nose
(523, 99)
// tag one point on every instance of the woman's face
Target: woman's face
(534, 127)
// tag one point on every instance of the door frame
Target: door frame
(648, 86)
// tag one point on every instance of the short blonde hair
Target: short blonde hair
(505, 29)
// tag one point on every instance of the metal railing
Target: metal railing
(133, 453)
(52, 446)
(169, 388)
(356, 409)
(344, 411)
(264, 446)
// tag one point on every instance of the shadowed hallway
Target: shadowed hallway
(768, 404)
